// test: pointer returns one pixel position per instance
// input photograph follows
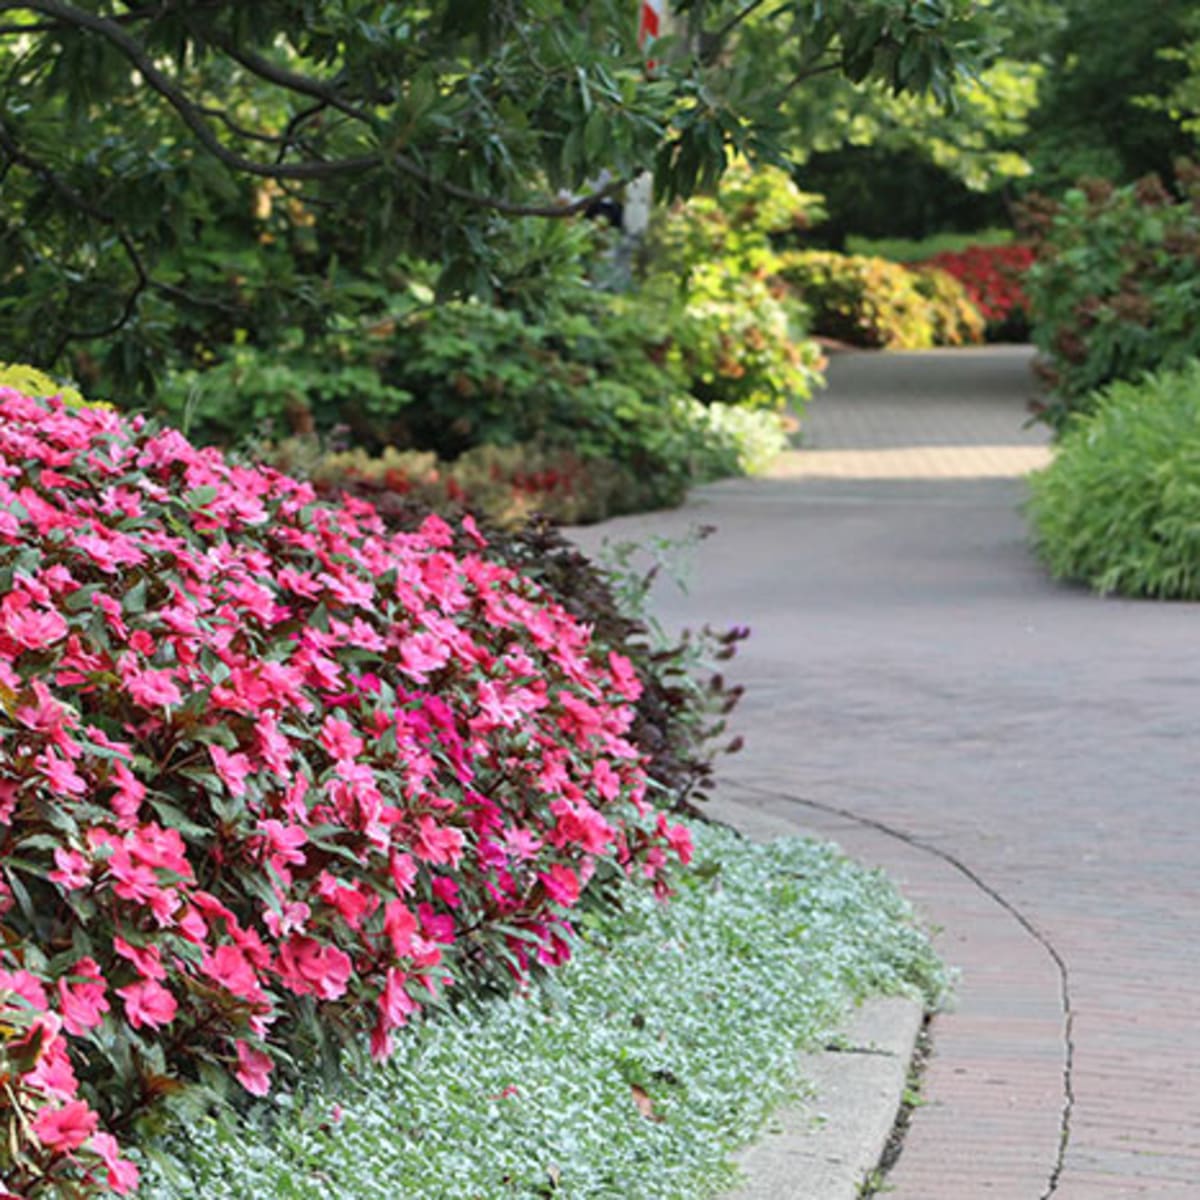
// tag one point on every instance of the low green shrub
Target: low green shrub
(734, 341)
(919, 250)
(32, 382)
(725, 332)
(506, 485)
(509, 484)
(1119, 508)
(1116, 286)
(461, 376)
(755, 211)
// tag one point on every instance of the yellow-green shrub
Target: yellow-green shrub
(864, 301)
(957, 320)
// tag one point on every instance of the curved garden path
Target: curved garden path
(1023, 757)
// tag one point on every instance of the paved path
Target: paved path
(1023, 757)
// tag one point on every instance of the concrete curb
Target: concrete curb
(825, 1146)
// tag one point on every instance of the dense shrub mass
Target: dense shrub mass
(510, 484)
(271, 776)
(874, 303)
(726, 333)
(1116, 286)
(1118, 508)
(992, 278)
(610, 393)
(955, 318)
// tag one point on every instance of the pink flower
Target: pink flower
(30, 627)
(148, 1003)
(349, 901)
(561, 884)
(283, 841)
(232, 768)
(400, 925)
(53, 1075)
(147, 959)
(395, 1004)
(65, 1127)
(82, 1004)
(421, 654)
(230, 968)
(149, 687)
(624, 676)
(121, 1174)
(27, 986)
(679, 838)
(436, 843)
(64, 780)
(127, 799)
(134, 881)
(307, 967)
(73, 869)
(339, 739)
(254, 1070)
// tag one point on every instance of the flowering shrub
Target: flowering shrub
(1116, 286)
(992, 276)
(864, 301)
(954, 315)
(504, 484)
(271, 776)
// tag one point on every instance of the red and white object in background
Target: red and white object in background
(650, 23)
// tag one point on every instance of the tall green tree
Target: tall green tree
(178, 172)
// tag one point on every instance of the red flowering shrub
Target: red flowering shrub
(271, 776)
(506, 484)
(1116, 287)
(992, 276)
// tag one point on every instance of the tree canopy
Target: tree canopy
(174, 166)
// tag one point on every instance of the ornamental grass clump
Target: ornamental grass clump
(1119, 508)
(272, 778)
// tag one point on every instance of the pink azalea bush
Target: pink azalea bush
(271, 777)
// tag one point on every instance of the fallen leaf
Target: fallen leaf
(644, 1104)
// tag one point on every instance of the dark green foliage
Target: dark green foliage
(1116, 286)
(179, 176)
(1119, 509)
(1104, 58)
(877, 192)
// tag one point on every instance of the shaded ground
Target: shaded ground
(1022, 756)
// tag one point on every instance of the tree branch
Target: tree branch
(127, 18)
(194, 119)
(811, 73)
(55, 181)
(736, 20)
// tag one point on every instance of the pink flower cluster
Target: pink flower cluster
(991, 275)
(260, 757)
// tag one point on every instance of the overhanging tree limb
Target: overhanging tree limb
(192, 116)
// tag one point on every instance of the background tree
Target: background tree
(181, 174)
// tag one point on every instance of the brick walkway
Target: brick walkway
(1022, 757)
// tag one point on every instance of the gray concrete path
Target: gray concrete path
(1021, 756)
